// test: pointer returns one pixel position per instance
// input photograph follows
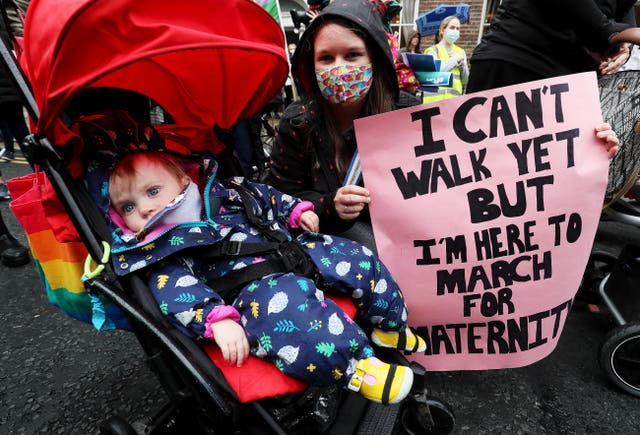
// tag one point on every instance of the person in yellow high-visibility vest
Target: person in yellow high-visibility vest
(453, 59)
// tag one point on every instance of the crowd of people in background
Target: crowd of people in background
(315, 142)
(315, 147)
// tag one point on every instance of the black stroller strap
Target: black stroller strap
(264, 228)
(228, 286)
(287, 256)
(233, 248)
(290, 257)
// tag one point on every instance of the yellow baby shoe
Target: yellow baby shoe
(404, 340)
(381, 382)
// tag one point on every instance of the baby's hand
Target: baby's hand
(604, 132)
(232, 341)
(309, 221)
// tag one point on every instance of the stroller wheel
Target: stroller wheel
(620, 357)
(599, 265)
(433, 418)
(116, 426)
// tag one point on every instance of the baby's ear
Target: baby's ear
(185, 181)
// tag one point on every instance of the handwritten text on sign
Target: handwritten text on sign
(485, 208)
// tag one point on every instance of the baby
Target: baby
(281, 316)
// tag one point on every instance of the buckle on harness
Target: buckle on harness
(295, 259)
(231, 247)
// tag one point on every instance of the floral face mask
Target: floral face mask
(345, 84)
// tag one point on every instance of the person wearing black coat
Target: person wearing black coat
(532, 40)
(12, 253)
(12, 122)
(315, 140)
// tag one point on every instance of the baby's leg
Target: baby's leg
(348, 267)
(289, 323)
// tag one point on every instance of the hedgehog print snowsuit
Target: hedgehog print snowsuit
(287, 318)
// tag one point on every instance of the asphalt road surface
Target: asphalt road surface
(58, 375)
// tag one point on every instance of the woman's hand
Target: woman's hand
(613, 63)
(309, 221)
(350, 200)
(312, 15)
(459, 57)
(232, 341)
(604, 132)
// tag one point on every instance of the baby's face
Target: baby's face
(141, 195)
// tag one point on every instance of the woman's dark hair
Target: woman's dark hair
(407, 45)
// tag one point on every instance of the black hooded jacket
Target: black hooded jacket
(552, 37)
(303, 159)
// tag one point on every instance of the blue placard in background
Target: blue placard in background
(429, 22)
(434, 78)
(421, 62)
(427, 71)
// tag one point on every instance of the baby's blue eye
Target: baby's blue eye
(154, 191)
(128, 208)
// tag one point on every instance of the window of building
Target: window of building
(489, 9)
(405, 22)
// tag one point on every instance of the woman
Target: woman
(343, 70)
(452, 57)
(413, 43)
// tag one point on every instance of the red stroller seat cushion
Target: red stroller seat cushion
(257, 379)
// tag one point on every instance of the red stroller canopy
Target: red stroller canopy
(206, 62)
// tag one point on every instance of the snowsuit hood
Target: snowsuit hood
(363, 15)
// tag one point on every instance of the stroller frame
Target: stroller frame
(196, 387)
(612, 281)
(200, 397)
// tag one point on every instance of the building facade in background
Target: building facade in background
(480, 14)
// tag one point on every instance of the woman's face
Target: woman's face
(415, 41)
(454, 24)
(336, 45)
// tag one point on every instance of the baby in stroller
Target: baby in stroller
(225, 266)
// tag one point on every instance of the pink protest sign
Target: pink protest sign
(485, 208)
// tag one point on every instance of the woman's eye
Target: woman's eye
(128, 208)
(154, 191)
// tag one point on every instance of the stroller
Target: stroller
(195, 67)
(611, 283)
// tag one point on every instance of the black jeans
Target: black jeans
(12, 125)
